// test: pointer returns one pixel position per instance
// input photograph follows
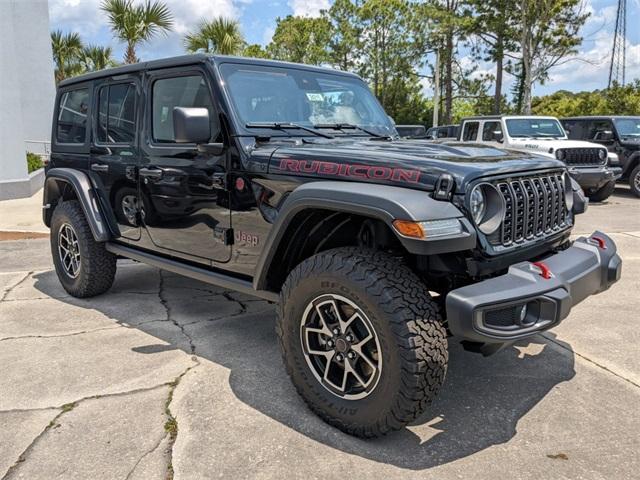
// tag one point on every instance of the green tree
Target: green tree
(136, 24)
(95, 57)
(494, 24)
(344, 45)
(255, 51)
(301, 40)
(220, 35)
(549, 33)
(67, 54)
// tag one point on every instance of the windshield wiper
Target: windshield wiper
(350, 126)
(287, 126)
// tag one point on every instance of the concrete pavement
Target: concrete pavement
(165, 376)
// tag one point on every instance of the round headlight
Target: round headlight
(568, 191)
(477, 204)
(560, 155)
(602, 154)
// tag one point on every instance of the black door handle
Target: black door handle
(100, 167)
(152, 173)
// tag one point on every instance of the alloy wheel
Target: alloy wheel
(130, 208)
(341, 346)
(69, 250)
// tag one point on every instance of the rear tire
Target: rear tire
(84, 267)
(634, 181)
(603, 193)
(399, 370)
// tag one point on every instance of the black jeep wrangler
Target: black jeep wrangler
(289, 182)
(621, 135)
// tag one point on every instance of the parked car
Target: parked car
(289, 182)
(411, 131)
(443, 132)
(587, 162)
(620, 134)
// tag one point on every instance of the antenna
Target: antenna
(619, 52)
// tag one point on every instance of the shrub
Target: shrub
(34, 162)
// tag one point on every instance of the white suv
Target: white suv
(587, 162)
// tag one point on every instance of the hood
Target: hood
(412, 163)
(547, 146)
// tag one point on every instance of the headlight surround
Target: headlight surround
(487, 207)
(568, 191)
(560, 155)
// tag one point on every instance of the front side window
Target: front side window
(491, 132)
(628, 127)
(72, 117)
(116, 113)
(188, 91)
(470, 132)
(599, 130)
(534, 128)
(261, 94)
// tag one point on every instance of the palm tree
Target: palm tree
(220, 35)
(135, 24)
(67, 53)
(97, 58)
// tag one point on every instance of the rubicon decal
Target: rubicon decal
(376, 172)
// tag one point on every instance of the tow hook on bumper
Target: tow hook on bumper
(533, 297)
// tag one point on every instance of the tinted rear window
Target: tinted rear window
(72, 116)
(116, 113)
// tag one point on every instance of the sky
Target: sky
(588, 70)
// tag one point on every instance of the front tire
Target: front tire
(634, 181)
(362, 340)
(84, 267)
(603, 192)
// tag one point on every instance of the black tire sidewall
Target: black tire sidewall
(365, 411)
(60, 217)
(634, 173)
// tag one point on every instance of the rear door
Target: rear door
(185, 200)
(115, 153)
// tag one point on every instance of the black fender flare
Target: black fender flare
(87, 195)
(382, 202)
(632, 162)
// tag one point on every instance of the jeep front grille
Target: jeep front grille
(535, 207)
(582, 156)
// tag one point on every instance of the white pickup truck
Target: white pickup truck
(588, 163)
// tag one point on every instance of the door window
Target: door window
(187, 91)
(72, 117)
(599, 130)
(116, 113)
(470, 132)
(491, 132)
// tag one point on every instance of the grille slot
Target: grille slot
(535, 207)
(582, 156)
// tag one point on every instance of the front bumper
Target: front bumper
(594, 178)
(533, 297)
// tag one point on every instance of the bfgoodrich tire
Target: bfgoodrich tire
(634, 181)
(362, 340)
(603, 193)
(84, 267)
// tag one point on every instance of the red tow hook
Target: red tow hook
(545, 272)
(598, 242)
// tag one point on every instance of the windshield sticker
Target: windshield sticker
(315, 97)
(350, 170)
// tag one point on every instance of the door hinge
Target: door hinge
(224, 235)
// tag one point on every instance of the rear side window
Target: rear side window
(187, 91)
(470, 132)
(117, 113)
(72, 117)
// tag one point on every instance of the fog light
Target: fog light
(523, 313)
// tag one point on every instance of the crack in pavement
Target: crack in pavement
(145, 455)
(61, 335)
(165, 303)
(589, 360)
(15, 285)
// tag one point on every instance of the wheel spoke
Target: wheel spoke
(364, 357)
(323, 321)
(353, 372)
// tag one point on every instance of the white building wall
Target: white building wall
(27, 91)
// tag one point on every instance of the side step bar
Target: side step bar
(197, 273)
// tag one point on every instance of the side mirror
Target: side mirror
(498, 136)
(605, 136)
(191, 125)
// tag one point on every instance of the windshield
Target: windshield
(534, 128)
(262, 94)
(628, 127)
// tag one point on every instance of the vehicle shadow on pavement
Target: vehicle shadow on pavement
(480, 405)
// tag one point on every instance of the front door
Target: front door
(114, 149)
(185, 205)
